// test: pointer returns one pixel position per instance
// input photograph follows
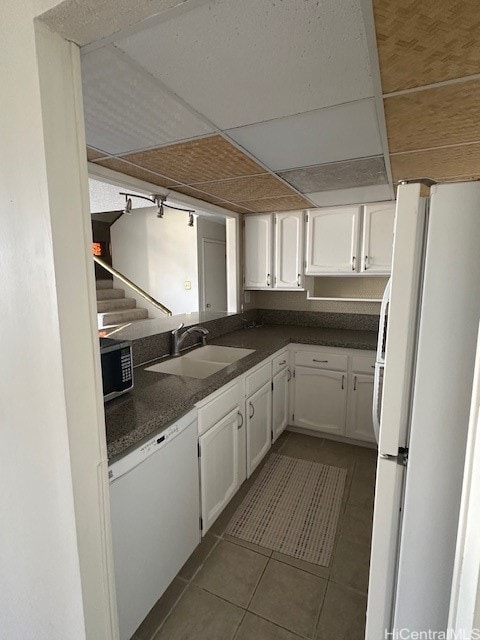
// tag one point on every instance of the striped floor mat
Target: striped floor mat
(293, 508)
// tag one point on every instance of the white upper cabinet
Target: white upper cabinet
(258, 251)
(377, 238)
(332, 240)
(288, 250)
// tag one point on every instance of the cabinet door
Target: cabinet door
(320, 400)
(359, 419)
(259, 426)
(377, 238)
(280, 403)
(218, 467)
(332, 240)
(288, 250)
(258, 251)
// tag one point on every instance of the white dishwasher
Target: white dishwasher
(154, 501)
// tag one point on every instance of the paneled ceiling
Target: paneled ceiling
(429, 54)
(257, 105)
(265, 105)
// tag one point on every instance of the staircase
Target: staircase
(113, 308)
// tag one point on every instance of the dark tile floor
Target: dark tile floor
(233, 590)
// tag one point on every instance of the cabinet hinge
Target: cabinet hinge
(199, 450)
(304, 264)
(272, 385)
(201, 523)
(293, 417)
(306, 217)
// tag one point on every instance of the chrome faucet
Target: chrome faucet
(178, 339)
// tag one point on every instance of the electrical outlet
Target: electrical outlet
(187, 285)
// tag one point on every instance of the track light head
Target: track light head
(128, 205)
(190, 219)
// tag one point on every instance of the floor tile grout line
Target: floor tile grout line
(348, 586)
(187, 584)
(275, 624)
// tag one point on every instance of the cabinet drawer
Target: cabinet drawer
(280, 362)
(215, 410)
(320, 360)
(363, 364)
(258, 378)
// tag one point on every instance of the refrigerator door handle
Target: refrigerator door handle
(383, 320)
(377, 388)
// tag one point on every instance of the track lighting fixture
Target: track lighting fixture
(159, 201)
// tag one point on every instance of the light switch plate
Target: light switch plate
(187, 285)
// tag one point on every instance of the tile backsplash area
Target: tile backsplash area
(297, 301)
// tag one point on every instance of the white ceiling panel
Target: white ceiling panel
(126, 109)
(317, 137)
(240, 62)
(375, 193)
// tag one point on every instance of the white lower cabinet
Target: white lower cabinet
(258, 412)
(280, 403)
(359, 415)
(320, 400)
(219, 467)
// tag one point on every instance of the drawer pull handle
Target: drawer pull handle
(253, 410)
(289, 375)
(239, 426)
(283, 362)
(268, 279)
(343, 382)
(373, 366)
(299, 281)
(355, 383)
(323, 361)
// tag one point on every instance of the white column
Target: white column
(54, 540)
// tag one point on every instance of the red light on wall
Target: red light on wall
(97, 248)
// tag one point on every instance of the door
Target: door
(332, 240)
(258, 251)
(288, 250)
(259, 426)
(218, 467)
(320, 400)
(280, 403)
(377, 238)
(214, 275)
(360, 399)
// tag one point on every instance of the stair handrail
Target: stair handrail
(132, 285)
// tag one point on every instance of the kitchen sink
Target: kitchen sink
(201, 363)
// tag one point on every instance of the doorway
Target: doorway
(213, 275)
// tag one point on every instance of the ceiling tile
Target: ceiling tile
(93, 154)
(136, 172)
(195, 193)
(249, 188)
(244, 62)
(426, 42)
(434, 117)
(338, 175)
(456, 163)
(374, 193)
(211, 158)
(126, 108)
(326, 135)
(286, 203)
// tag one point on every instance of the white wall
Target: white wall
(44, 512)
(158, 255)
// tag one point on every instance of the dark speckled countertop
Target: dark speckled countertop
(159, 398)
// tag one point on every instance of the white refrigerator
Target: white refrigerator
(423, 384)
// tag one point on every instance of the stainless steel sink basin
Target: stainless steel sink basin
(202, 362)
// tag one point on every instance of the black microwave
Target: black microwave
(117, 367)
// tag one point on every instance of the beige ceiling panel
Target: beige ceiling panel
(286, 203)
(195, 193)
(450, 163)
(136, 172)
(425, 42)
(249, 188)
(93, 154)
(210, 158)
(435, 117)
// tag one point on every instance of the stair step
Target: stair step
(119, 317)
(110, 294)
(104, 284)
(115, 304)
